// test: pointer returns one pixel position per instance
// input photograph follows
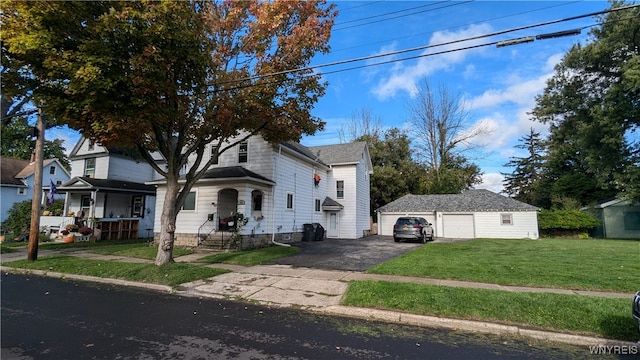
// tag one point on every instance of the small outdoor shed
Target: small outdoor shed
(471, 214)
(619, 219)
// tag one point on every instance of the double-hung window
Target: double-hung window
(340, 189)
(243, 152)
(90, 167)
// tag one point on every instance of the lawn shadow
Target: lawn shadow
(620, 328)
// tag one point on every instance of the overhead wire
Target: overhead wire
(454, 27)
(424, 47)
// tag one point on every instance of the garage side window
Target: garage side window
(506, 219)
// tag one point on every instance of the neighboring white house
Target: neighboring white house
(471, 214)
(107, 191)
(278, 189)
(16, 184)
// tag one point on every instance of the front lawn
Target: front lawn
(172, 274)
(251, 257)
(603, 317)
(585, 264)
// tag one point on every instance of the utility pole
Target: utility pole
(36, 202)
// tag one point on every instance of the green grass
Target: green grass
(251, 257)
(172, 274)
(585, 264)
(141, 251)
(604, 317)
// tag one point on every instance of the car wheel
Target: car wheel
(396, 239)
(423, 239)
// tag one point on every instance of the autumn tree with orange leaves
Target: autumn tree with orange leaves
(172, 77)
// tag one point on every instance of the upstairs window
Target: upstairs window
(22, 191)
(52, 170)
(317, 205)
(91, 145)
(243, 151)
(340, 189)
(90, 167)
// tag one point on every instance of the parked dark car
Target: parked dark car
(412, 228)
(635, 308)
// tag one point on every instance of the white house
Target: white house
(277, 189)
(107, 191)
(471, 214)
(16, 184)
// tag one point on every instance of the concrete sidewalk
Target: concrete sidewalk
(322, 291)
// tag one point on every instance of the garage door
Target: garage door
(458, 226)
(386, 221)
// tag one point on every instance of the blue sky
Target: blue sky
(498, 85)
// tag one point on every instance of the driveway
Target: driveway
(347, 254)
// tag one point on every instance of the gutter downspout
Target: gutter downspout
(273, 203)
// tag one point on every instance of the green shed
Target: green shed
(620, 219)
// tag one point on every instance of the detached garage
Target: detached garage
(472, 214)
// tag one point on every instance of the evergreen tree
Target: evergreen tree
(522, 184)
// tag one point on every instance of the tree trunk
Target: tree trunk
(36, 201)
(168, 224)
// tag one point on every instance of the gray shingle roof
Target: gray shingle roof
(350, 153)
(468, 201)
(106, 185)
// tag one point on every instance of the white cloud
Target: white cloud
(491, 182)
(404, 78)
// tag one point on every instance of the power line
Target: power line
(424, 47)
(457, 26)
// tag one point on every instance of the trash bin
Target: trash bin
(309, 232)
(319, 229)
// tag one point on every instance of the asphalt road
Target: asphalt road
(347, 254)
(47, 318)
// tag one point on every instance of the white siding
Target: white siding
(125, 170)
(525, 225)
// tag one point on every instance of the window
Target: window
(22, 191)
(256, 200)
(137, 206)
(215, 155)
(632, 220)
(190, 202)
(340, 189)
(317, 207)
(52, 170)
(506, 219)
(243, 152)
(90, 167)
(91, 145)
(289, 201)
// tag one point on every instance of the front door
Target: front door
(334, 223)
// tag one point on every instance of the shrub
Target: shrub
(566, 222)
(85, 230)
(19, 219)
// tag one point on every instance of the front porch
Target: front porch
(103, 228)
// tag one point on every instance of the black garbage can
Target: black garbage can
(319, 229)
(309, 232)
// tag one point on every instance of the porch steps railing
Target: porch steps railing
(219, 240)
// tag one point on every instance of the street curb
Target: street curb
(156, 287)
(466, 325)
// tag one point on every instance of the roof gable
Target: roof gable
(468, 201)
